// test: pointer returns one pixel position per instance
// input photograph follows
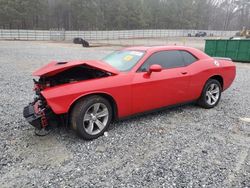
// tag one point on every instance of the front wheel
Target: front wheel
(211, 94)
(91, 117)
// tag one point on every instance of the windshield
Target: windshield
(123, 60)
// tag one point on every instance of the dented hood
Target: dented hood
(54, 67)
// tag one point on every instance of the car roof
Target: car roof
(158, 48)
(152, 49)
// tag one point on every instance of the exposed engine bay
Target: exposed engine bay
(75, 74)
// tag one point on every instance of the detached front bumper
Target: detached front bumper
(39, 118)
(32, 117)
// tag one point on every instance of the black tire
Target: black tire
(77, 40)
(85, 44)
(203, 100)
(79, 111)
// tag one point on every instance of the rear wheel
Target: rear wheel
(211, 94)
(91, 117)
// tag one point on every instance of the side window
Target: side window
(167, 59)
(188, 58)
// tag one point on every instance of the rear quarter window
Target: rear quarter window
(188, 58)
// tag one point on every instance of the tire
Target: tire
(85, 44)
(211, 94)
(85, 119)
(77, 40)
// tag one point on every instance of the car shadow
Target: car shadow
(63, 131)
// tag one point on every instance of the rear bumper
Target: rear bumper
(32, 117)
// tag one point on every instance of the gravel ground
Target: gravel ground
(180, 147)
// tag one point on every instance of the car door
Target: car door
(191, 63)
(163, 88)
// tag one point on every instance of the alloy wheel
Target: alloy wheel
(212, 94)
(95, 118)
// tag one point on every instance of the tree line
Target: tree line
(125, 14)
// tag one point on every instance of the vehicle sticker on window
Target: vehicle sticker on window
(136, 53)
(128, 58)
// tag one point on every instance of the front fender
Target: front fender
(61, 105)
(60, 98)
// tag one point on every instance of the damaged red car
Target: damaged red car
(89, 95)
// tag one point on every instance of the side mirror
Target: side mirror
(155, 68)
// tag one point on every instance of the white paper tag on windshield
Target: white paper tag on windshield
(136, 53)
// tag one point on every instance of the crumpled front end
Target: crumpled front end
(56, 75)
(38, 113)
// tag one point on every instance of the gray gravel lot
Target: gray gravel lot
(180, 147)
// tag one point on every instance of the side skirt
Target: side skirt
(155, 110)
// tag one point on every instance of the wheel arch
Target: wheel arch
(219, 78)
(104, 95)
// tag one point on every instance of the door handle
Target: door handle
(184, 73)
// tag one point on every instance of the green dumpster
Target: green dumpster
(237, 50)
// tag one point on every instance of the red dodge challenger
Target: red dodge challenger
(89, 95)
